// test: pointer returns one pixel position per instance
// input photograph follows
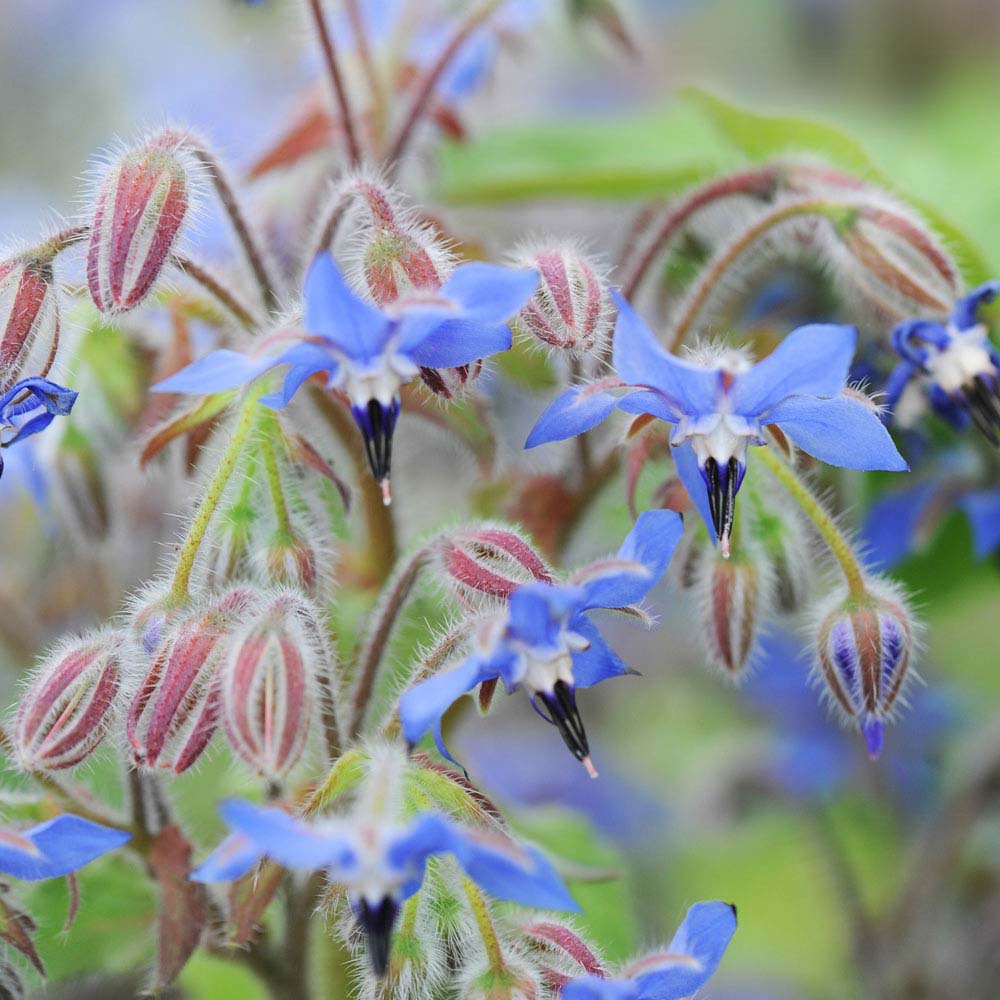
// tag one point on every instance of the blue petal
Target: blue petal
(334, 312)
(649, 401)
(489, 293)
(599, 661)
(231, 860)
(306, 360)
(703, 936)
(455, 342)
(640, 360)
(812, 360)
(594, 988)
(686, 463)
(839, 431)
(575, 411)
(651, 543)
(891, 525)
(421, 707)
(64, 844)
(57, 399)
(216, 372)
(964, 313)
(983, 512)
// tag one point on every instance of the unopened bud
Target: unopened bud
(571, 309)
(174, 714)
(29, 319)
(289, 559)
(489, 560)
(269, 685)
(451, 383)
(67, 709)
(506, 982)
(141, 206)
(864, 649)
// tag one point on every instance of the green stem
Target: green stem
(484, 922)
(272, 472)
(801, 494)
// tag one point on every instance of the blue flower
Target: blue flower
(30, 406)
(545, 643)
(721, 406)
(56, 847)
(688, 962)
(368, 352)
(953, 364)
(381, 866)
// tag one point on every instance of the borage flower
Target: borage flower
(370, 353)
(382, 865)
(721, 404)
(688, 962)
(544, 642)
(56, 847)
(953, 364)
(29, 406)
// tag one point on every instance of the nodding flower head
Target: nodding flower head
(381, 863)
(544, 642)
(29, 406)
(953, 363)
(719, 406)
(368, 353)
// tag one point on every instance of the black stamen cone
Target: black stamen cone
(377, 422)
(560, 709)
(377, 922)
(983, 405)
(722, 486)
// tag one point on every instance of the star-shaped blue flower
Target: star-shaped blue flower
(722, 407)
(382, 865)
(56, 847)
(369, 352)
(953, 363)
(545, 643)
(688, 962)
(30, 406)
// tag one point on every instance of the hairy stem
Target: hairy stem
(336, 80)
(484, 923)
(216, 289)
(376, 91)
(272, 473)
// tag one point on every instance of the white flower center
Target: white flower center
(966, 355)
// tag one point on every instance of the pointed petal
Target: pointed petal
(305, 361)
(455, 342)
(63, 845)
(575, 411)
(651, 402)
(594, 988)
(334, 312)
(421, 707)
(839, 431)
(890, 529)
(651, 543)
(640, 360)
(983, 511)
(964, 313)
(812, 361)
(686, 463)
(216, 372)
(231, 860)
(489, 293)
(599, 661)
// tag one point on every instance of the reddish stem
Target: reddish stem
(336, 81)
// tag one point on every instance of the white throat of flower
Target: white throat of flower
(380, 379)
(539, 671)
(966, 355)
(373, 879)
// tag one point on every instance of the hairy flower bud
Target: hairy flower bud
(269, 685)
(490, 560)
(289, 559)
(451, 383)
(864, 650)
(141, 205)
(29, 318)
(509, 981)
(66, 711)
(571, 309)
(176, 709)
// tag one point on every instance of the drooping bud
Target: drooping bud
(142, 202)
(289, 559)
(269, 685)
(451, 383)
(68, 708)
(29, 318)
(176, 709)
(864, 650)
(504, 981)
(149, 614)
(571, 309)
(490, 560)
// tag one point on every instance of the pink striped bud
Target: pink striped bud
(484, 559)
(269, 685)
(571, 309)
(141, 205)
(451, 383)
(864, 649)
(29, 318)
(68, 708)
(289, 559)
(176, 709)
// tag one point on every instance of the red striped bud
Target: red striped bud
(451, 383)
(289, 559)
(141, 205)
(269, 685)
(864, 649)
(68, 708)
(174, 714)
(489, 560)
(571, 309)
(29, 318)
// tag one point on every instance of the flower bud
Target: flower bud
(863, 651)
(571, 309)
(67, 709)
(483, 559)
(506, 982)
(141, 205)
(451, 383)
(29, 319)
(176, 709)
(269, 685)
(289, 559)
